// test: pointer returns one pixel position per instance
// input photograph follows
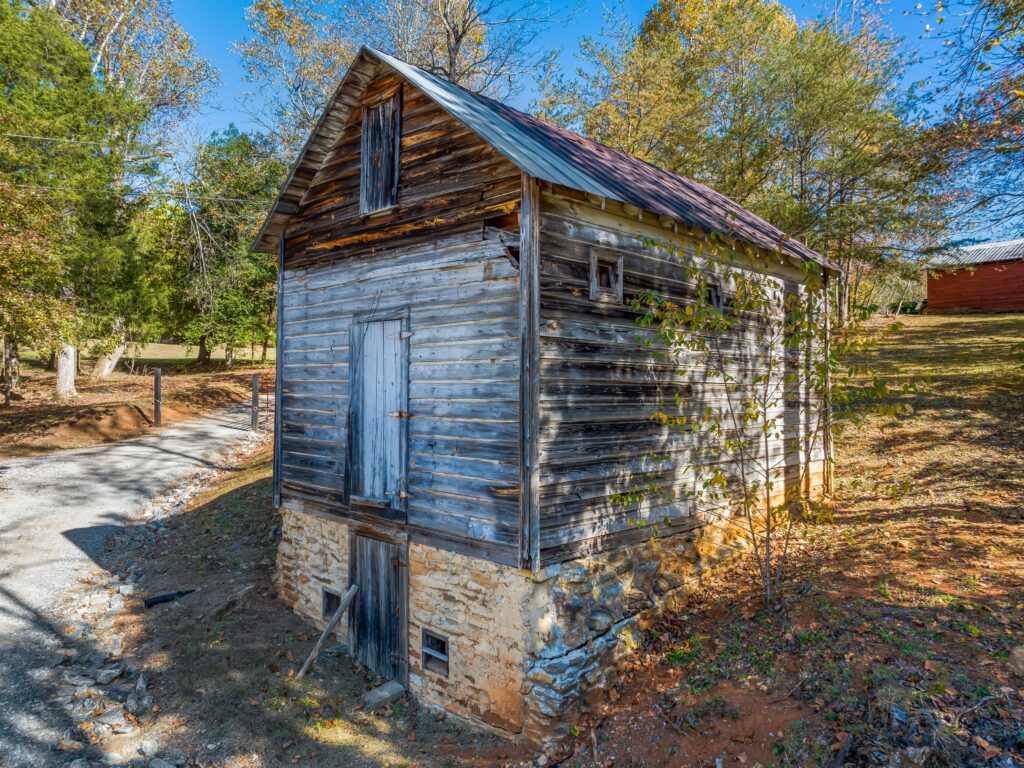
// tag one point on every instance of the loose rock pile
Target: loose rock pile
(176, 498)
(102, 693)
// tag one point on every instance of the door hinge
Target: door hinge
(397, 494)
(401, 335)
(400, 415)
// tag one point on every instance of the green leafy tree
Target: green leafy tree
(806, 123)
(57, 116)
(983, 63)
(140, 50)
(31, 311)
(122, 296)
(143, 50)
(228, 293)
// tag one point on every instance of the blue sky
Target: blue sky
(216, 24)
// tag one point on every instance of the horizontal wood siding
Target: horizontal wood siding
(599, 386)
(985, 288)
(432, 258)
(462, 300)
(449, 181)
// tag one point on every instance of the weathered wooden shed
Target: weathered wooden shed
(461, 392)
(979, 278)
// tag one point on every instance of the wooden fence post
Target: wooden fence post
(157, 399)
(255, 402)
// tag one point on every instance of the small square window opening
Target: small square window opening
(331, 601)
(605, 279)
(435, 653)
(715, 297)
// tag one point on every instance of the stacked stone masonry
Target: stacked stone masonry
(487, 612)
(529, 653)
(312, 556)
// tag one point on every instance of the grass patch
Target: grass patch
(903, 606)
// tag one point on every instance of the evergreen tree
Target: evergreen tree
(56, 117)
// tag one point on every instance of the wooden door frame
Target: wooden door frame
(357, 332)
(400, 539)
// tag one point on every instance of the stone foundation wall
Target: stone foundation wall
(600, 607)
(529, 653)
(490, 615)
(313, 554)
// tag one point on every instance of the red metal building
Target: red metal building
(979, 278)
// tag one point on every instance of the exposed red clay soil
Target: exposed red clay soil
(117, 409)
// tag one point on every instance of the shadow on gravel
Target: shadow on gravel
(222, 678)
(49, 672)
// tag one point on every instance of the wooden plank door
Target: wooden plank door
(380, 426)
(377, 620)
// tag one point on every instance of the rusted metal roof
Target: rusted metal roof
(555, 155)
(984, 253)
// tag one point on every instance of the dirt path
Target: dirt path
(56, 513)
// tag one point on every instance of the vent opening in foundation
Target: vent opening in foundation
(435, 653)
(331, 602)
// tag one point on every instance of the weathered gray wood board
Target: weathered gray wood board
(376, 621)
(451, 364)
(426, 262)
(378, 188)
(378, 412)
(449, 181)
(599, 386)
(463, 385)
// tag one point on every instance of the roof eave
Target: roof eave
(493, 129)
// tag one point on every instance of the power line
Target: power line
(158, 193)
(54, 138)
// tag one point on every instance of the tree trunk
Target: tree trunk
(229, 356)
(263, 355)
(15, 366)
(844, 301)
(902, 298)
(66, 362)
(828, 479)
(7, 372)
(204, 352)
(51, 362)
(107, 362)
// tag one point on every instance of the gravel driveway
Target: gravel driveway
(56, 513)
